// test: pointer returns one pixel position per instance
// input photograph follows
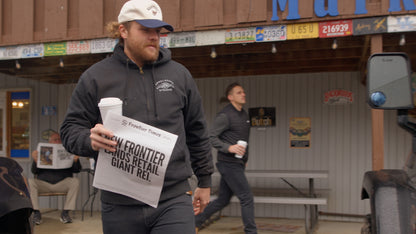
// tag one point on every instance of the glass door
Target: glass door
(19, 123)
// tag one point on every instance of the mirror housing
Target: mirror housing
(389, 81)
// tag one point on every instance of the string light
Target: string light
(61, 62)
(334, 44)
(18, 66)
(213, 53)
(402, 41)
(274, 50)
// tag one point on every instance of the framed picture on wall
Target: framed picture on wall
(262, 116)
(300, 132)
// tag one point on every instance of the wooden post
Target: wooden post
(377, 117)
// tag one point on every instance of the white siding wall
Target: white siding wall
(341, 134)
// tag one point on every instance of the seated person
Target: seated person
(54, 180)
(15, 204)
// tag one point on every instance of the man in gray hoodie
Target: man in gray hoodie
(156, 91)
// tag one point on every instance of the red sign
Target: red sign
(338, 28)
(338, 96)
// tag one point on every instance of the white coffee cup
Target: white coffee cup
(112, 104)
(243, 143)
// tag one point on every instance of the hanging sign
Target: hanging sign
(78, 47)
(212, 37)
(337, 97)
(103, 45)
(9, 52)
(55, 49)
(240, 35)
(369, 25)
(302, 31)
(338, 28)
(402, 23)
(271, 33)
(31, 51)
(182, 39)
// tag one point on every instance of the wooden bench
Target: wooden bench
(310, 203)
(51, 194)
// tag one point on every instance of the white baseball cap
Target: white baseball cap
(144, 12)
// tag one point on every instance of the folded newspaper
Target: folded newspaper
(53, 156)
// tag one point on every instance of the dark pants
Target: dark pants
(171, 216)
(233, 181)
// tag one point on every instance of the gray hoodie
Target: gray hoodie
(162, 94)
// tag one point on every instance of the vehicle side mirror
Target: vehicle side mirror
(389, 81)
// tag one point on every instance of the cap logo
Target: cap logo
(153, 10)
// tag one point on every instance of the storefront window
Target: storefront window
(20, 119)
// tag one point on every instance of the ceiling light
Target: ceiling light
(334, 44)
(274, 50)
(402, 41)
(213, 53)
(61, 62)
(18, 66)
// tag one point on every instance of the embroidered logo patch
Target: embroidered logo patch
(164, 85)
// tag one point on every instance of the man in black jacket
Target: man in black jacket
(54, 180)
(157, 91)
(231, 125)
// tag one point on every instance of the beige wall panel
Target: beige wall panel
(73, 19)
(6, 12)
(305, 10)
(251, 10)
(346, 7)
(111, 10)
(91, 18)
(230, 12)
(171, 10)
(385, 5)
(187, 15)
(39, 20)
(373, 7)
(56, 19)
(22, 21)
(208, 13)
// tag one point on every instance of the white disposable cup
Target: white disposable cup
(112, 104)
(243, 143)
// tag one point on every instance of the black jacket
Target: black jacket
(162, 94)
(230, 125)
(53, 176)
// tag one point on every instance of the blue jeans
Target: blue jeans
(233, 181)
(174, 216)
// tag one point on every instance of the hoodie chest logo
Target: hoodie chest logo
(165, 85)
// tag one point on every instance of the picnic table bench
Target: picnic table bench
(309, 199)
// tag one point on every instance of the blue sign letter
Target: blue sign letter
(409, 5)
(360, 7)
(293, 9)
(320, 8)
